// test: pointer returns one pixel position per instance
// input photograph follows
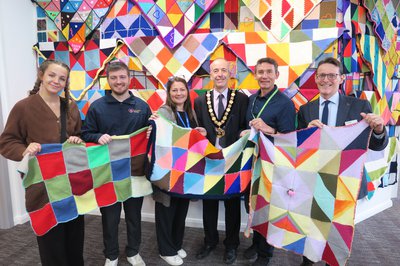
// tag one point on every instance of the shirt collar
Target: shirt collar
(131, 100)
(334, 99)
(268, 94)
(224, 92)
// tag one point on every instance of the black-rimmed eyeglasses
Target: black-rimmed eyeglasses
(330, 76)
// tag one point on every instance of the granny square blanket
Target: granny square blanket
(76, 19)
(174, 19)
(304, 190)
(187, 164)
(67, 180)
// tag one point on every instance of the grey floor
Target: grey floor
(376, 242)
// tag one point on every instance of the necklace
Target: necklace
(219, 123)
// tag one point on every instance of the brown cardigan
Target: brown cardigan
(32, 120)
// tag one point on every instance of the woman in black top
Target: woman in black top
(170, 212)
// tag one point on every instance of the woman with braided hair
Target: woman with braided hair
(45, 117)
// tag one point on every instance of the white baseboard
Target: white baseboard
(21, 219)
(377, 208)
(381, 200)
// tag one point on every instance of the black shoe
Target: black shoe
(204, 251)
(251, 252)
(261, 261)
(306, 262)
(230, 256)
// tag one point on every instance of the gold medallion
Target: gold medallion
(220, 132)
(220, 123)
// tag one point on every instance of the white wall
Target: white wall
(17, 75)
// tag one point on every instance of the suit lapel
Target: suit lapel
(314, 110)
(343, 110)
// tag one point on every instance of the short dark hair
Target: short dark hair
(332, 61)
(115, 66)
(267, 60)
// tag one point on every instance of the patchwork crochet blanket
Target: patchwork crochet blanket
(174, 19)
(85, 65)
(281, 16)
(185, 163)
(304, 190)
(292, 64)
(76, 19)
(378, 163)
(67, 180)
(163, 62)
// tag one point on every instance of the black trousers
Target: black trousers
(264, 249)
(232, 222)
(63, 244)
(170, 225)
(110, 217)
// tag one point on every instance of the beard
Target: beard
(120, 92)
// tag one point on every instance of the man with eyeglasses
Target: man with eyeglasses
(270, 112)
(334, 109)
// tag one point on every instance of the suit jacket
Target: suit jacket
(349, 109)
(234, 125)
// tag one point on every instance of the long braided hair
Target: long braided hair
(40, 72)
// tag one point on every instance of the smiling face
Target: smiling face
(119, 82)
(328, 86)
(178, 94)
(266, 74)
(219, 74)
(54, 79)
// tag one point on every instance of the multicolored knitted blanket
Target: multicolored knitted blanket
(67, 180)
(85, 65)
(304, 190)
(174, 19)
(76, 19)
(378, 163)
(292, 64)
(281, 16)
(185, 163)
(163, 62)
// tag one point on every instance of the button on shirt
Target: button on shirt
(215, 103)
(332, 107)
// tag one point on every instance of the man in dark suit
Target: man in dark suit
(334, 109)
(270, 112)
(221, 112)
